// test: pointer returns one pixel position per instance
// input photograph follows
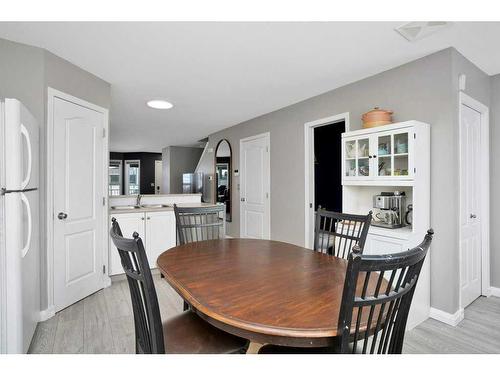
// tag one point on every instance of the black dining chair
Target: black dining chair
(336, 233)
(376, 300)
(199, 224)
(184, 333)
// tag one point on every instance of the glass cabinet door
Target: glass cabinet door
(393, 154)
(401, 154)
(357, 158)
(363, 157)
(350, 158)
(384, 155)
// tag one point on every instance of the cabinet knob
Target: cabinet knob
(142, 218)
(149, 218)
(473, 216)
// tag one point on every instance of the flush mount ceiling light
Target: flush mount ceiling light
(159, 104)
(418, 30)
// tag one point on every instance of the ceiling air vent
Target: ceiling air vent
(418, 30)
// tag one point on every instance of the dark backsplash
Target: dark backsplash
(147, 172)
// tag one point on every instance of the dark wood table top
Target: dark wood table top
(266, 291)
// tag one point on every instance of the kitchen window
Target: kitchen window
(115, 177)
(132, 177)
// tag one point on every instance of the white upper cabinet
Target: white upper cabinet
(386, 153)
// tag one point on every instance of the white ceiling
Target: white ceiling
(220, 74)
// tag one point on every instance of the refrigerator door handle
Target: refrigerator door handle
(26, 247)
(4, 191)
(26, 135)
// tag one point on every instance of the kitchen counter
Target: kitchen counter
(158, 209)
(158, 195)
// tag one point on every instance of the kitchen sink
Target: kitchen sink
(158, 205)
(125, 207)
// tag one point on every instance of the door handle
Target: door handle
(472, 216)
(62, 215)
(26, 247)
(26, 135)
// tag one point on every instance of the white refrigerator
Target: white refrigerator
(19, 232)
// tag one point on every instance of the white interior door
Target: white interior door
(255, 220)
(78, 202)
(158, 176)
(470, 216)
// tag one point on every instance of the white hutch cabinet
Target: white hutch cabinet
(390, 158)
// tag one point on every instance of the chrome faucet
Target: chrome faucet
(138, 202)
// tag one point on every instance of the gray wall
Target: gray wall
(25, 74)
(495, 180)
(176, 161)
(22, 75)
(421, 90)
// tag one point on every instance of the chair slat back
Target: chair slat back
(199, 223)
(377, 296)
(147, 318)
(336, 233)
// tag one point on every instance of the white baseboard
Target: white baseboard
(450, 319)
(495, 291)
(47, 314)
(106, 281)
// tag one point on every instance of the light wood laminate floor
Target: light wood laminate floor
(103, 323)
(100, 323)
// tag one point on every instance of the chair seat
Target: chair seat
(187, 333)
(276, 349)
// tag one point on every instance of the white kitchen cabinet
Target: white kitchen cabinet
(156, 229)
(379, 245)
(383, 153)
(129, 223)
(160, 234)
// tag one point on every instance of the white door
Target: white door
(470, 218)
(158, 176)
(78, 202)
(129, 223)
(255, 220)
(160, 234)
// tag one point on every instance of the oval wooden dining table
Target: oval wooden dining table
(265, 291)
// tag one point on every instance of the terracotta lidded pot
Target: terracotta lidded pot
(377, 117)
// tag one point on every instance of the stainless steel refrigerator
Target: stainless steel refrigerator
(192, 183)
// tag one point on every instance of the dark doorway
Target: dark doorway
(328, 166)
